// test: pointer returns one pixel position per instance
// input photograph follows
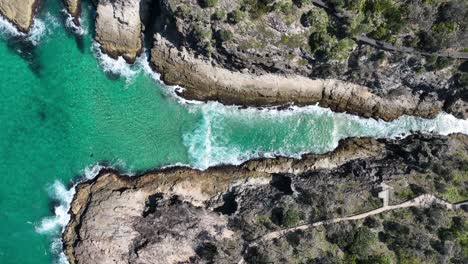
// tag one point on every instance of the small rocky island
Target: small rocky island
(318, 209)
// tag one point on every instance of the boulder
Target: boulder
(118, 28)
(19, 12)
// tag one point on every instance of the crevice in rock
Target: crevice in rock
(152, 204)
(282, 183)
(230, 205)
(207, 251)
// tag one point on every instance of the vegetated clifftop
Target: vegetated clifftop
(261, 52)
(220, 215)
(379, 58)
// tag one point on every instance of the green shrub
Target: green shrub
(406, 258)
(315, 18)
(235, 16)
(355, 5)
(208, 3)
(219, 15)
(301, 3)
(225, 35)
(363, 239)
(338, 3)
(293, 41)
(201, 33)
(341, 50)
(257, 8)
(462, 79)
(291, 218)
(283, 6)
(182, 11)
(386, 16)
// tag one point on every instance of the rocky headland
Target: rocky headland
(231, 214)
(379, 59)
(261, 53)
(19, 12)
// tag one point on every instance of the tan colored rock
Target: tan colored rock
(205, 81)
(164, 216)
(118, 28)
(19, 12)
(104, 210)
(74, 8)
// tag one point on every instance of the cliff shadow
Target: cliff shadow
(26, 49)
(150, 11)
(72, 30)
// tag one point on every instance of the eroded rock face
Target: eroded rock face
(205, 81)
(181, 215)
(19, 12)
(118, 28)
(237, 59)
(74, 8)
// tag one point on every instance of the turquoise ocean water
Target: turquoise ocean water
(65, 108)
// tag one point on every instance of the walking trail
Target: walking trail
(424, 200)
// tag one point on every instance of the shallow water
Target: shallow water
(65, 107)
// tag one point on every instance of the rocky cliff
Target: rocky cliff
(19, 12)
(256, 52)
(221, 215)
(118, 28)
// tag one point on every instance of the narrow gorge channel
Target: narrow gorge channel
(67, 111)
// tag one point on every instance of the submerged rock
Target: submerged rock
(19, 12)
(118, 28)
(223, 214)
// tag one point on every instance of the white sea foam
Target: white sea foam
(91, 171)
(36, 34)
(117, 67)
(69, 23)
(8, 29)
(55, 225)
(207, 144)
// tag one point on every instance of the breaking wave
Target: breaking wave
(58, 192)
(55, 225)
(38, 31)
(229, 135)
(69, 23)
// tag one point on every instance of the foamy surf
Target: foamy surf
(36, 34)
(70, 24)
(59, 193)
(55, 225)
(308, 129)
(117, 66)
